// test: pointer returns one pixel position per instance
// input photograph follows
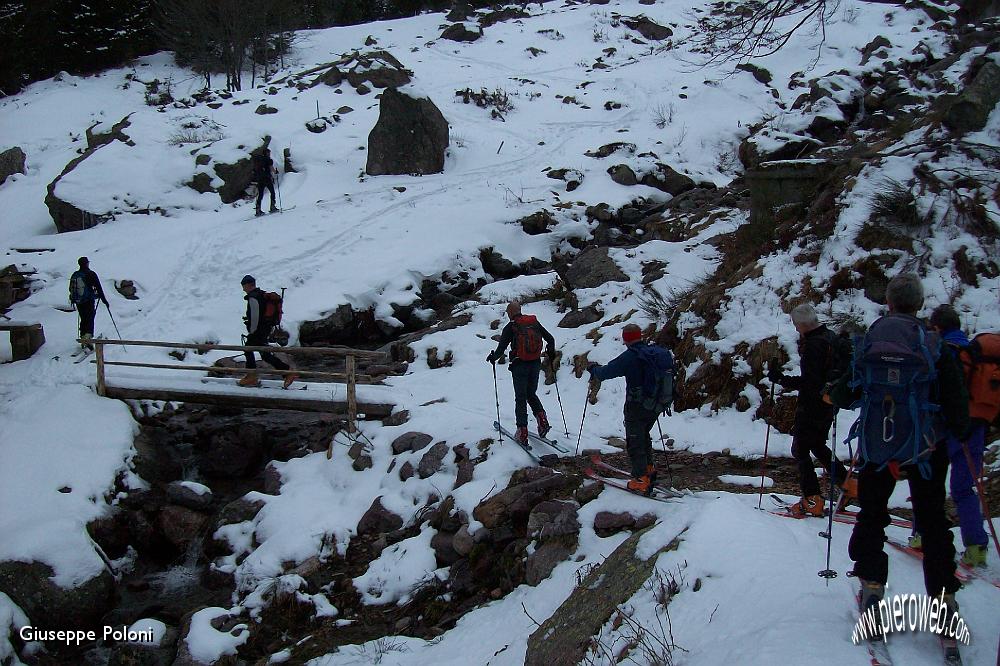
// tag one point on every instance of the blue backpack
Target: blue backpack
(79, 289)
(657, 378)
(894, 365)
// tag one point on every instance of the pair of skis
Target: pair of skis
(534, 444)
(603, 472)
(841, 516)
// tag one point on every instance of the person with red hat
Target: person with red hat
(524, 334)
(646, 368)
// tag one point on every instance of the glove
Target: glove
(490, 358)
(775, 374)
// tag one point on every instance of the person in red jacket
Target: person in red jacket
(525, 334)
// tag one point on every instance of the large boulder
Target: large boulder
(460, 32)
(11, 162)
(373, 69)
(527, 488)
(505, 14)
(378, 520)
(410, 137)
(30, 585)
(410, 441)
(66, 215)
(972, 107)
(666, 179)
(648, 28)
(592, 268)
(181, 526)
(338, 326)
(234, 453)
(553, 518)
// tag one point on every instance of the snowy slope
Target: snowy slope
(370, 241)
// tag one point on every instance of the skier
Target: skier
(258, 330)
(525, 334)
(643, 366)
(84, 291)
(263, 173)
(820, 364)
(901, 328)
(945, 320)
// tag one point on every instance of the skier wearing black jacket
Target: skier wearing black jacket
(258, 332)
(263, 169)
(525, 333)
(84, 291)
(813, 417)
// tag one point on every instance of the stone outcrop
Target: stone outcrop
(410, 137)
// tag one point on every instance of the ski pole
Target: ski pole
(982, 494)
(670, 474)
(586, 401)
(829, 573)
(555, 376)
(496, 394)
(277, 186)
(114, 324)
(763, 465)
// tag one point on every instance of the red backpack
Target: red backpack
(981, 362)
(527, 338)
(271, 313)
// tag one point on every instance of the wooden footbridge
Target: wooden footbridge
(214, 388)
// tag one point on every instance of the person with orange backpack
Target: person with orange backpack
(524, 334)
(980, 361)
(263, 314)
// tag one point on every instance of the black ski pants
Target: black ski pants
(261, 186)
(638, 442)
(87, 311)
(867, 547)
(259, 339)
(525, 377)
(809, 440)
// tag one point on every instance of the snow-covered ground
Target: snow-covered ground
(370, 241)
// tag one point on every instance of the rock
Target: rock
(181, 526)
(498, 266)
(30, 585)
(601, 212)
(546, 557)
(12, 161)
(759, 73)
(623, 175)
(410, 441)
(127, 289)
(505, 14)
(527, 488)
(317, 125)
(410, 137)
(648, 28)
(153, 461)
(396, 418)
(238, 511)
(237, 176)
(362, 89)
(264, 110)
(234, 453)
(607, 523)
(406, 471)
(272, 479)
(459, 32)
(466, 471)
(190, 495)
(142, 654)
(751, 153)
(581, 317)
(336, 328)
(880, 42)
(537, 223)
(572, 177)
(972, 107)
(357, 448)
(667, 180)
(592, 268)
(379, 69)
(111, 531)
(460, 12)
(363, 462)
(444, 552)
(827, 130)
(378, 520)
(609, 149)
(431, 461)
(588, 492)
(463, 542)
(344, 110)
(553, 518)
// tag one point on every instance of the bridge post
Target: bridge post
(99, 353)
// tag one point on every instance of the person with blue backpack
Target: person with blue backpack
(911, 395)
(84, 291)
(649, 373)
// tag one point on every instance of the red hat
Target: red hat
(631, 333)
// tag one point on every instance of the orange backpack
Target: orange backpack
(981, 361)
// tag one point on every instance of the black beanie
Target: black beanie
(248, 279)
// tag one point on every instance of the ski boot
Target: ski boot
(974, 556)
(916, 542)
(288, 380)
(543, 424)
(259, 213)
(850, 490)
(521, 435)
(86, 342)
(808, 506)
(249, 380)
(651, 473)
(871, 594)
(274, 209)
(641, 485)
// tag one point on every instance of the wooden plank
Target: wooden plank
(303, 351)
(99, 353)
(248, 399)
(336, 376)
